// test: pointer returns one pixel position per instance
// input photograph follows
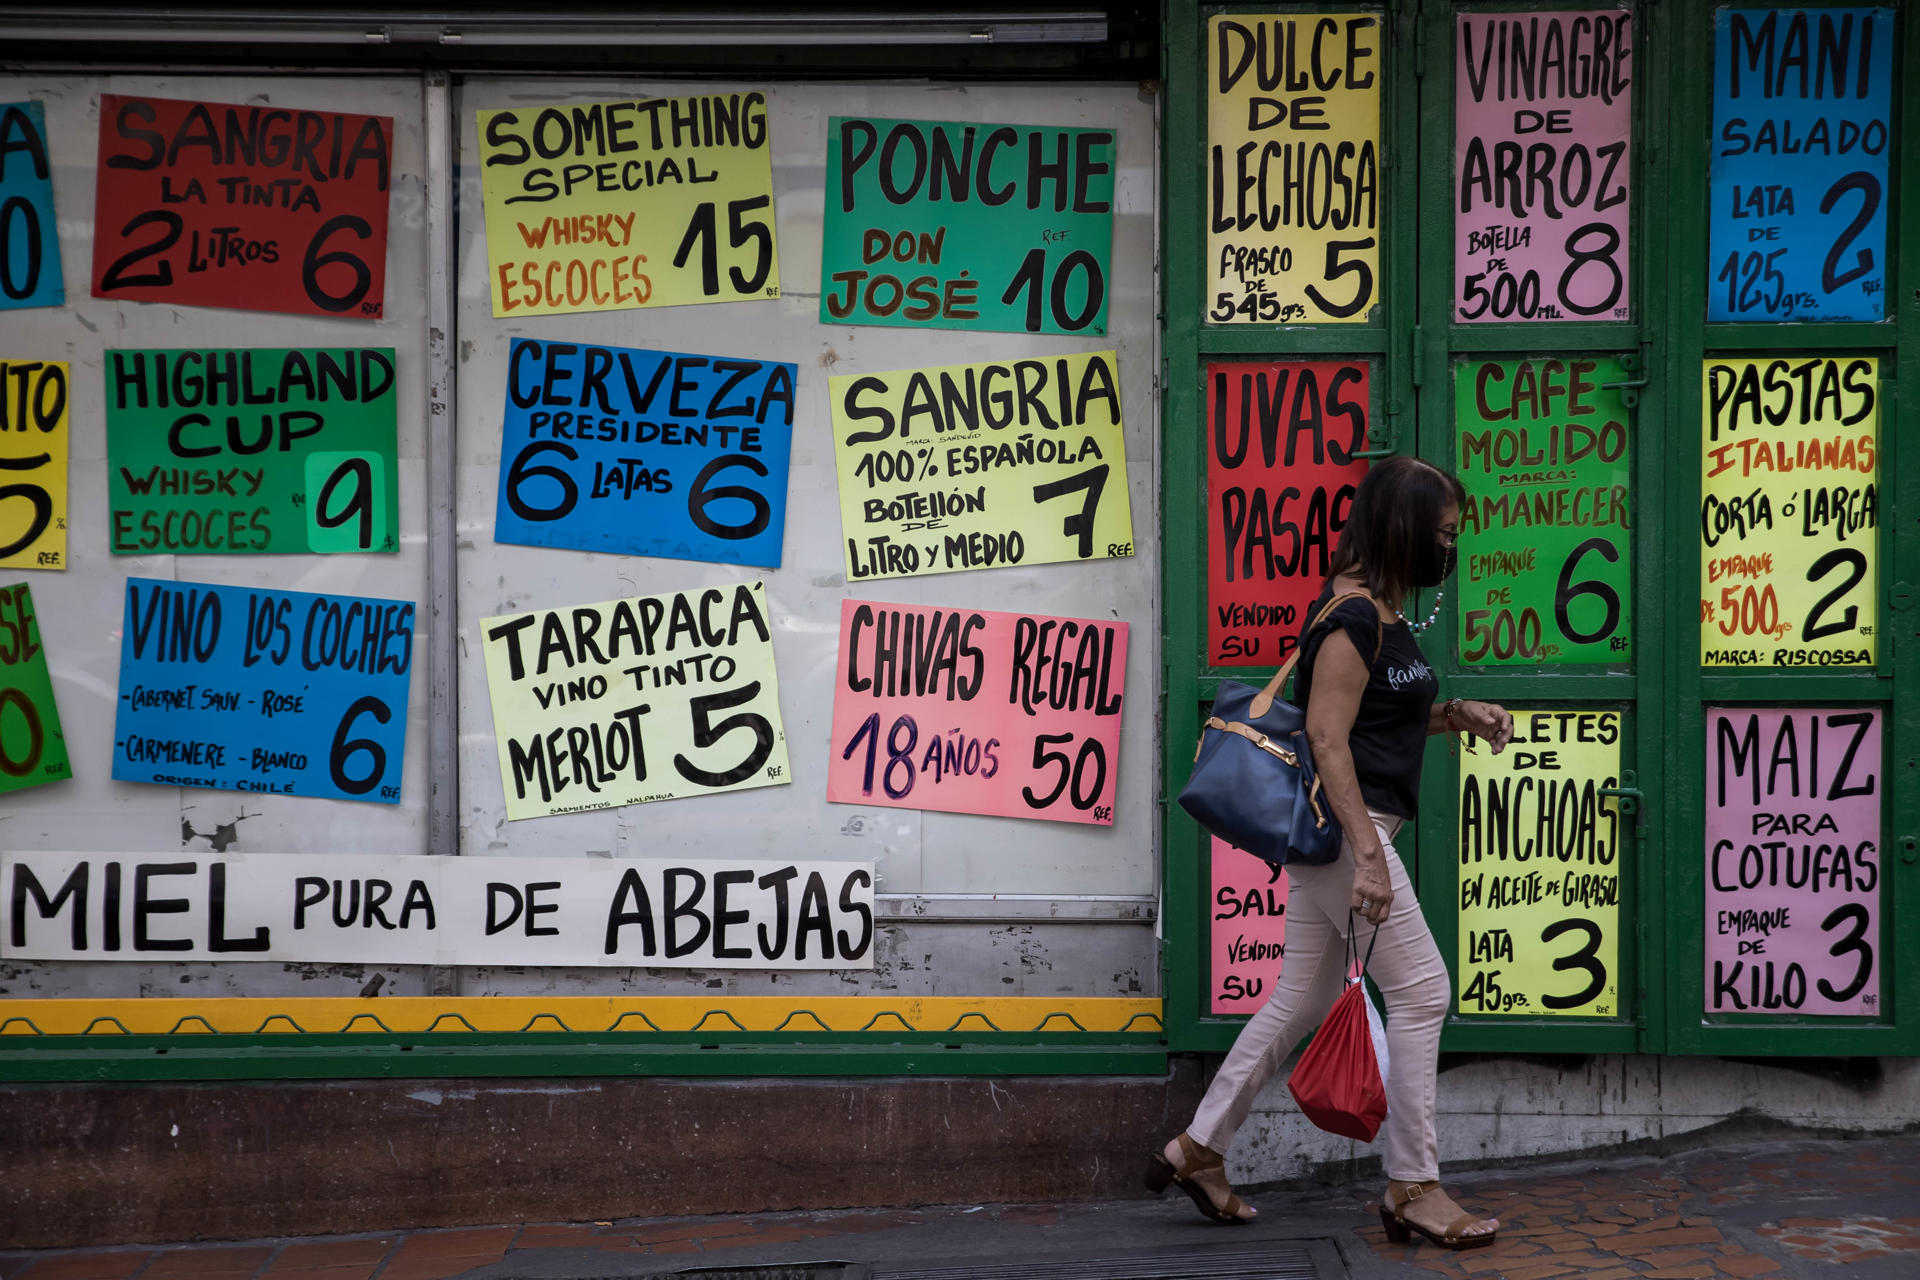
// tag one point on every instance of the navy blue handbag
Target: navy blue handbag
(1253, 782)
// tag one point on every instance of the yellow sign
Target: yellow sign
(608, 206)
(1293, 166)
(1540, 868)
(1790, 512)
(972, 466)
(33, 464)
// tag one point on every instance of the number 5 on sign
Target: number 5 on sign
(33, 464)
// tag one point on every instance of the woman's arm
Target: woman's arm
(1488, 720)
(1339, 678)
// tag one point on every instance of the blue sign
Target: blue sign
(29, 238)
(645, 453)
(279, 692)
(1801, 136)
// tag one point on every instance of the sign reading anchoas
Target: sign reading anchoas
(977, 465)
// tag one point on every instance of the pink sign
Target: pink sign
(1542, 115)
(1793, 861)
(972, 711)
(1248, 904)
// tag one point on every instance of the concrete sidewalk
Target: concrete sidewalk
(1786, 1207)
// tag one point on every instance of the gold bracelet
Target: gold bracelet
(1446, 713)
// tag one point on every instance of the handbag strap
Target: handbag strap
(1263, 701)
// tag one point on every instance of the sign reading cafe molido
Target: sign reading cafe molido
(378, 909)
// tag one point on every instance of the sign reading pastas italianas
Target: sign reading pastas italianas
(257, 207)
(1793, 861)
(1540, 868)
(607, 206)
(645, 453)
(33, 750)
(221, 452)
(946, 225)
(247, 689)
(601, 705)
(1280, 479)
(656, 913)
(1790, 512)
(1546, 535)
(1802, 133)
(1248, 936)
(29, 237)
(1293, 167)
(34, 401)
(1543, 111)
(971, 711)
(976, 465)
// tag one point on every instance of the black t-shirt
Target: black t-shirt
(1389, 737)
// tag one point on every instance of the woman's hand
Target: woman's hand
(1372, 888)
(1487, 720)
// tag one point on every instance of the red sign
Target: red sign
(1280, 476)
(260, 208)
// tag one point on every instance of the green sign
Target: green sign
(32, 748)
(270, 450)
(1545, 533)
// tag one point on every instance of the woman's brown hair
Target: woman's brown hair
(1396, 508)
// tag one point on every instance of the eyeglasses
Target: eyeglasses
(1449, 537)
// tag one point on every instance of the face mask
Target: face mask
(1434, 564)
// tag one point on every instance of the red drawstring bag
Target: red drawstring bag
(1338, 1082)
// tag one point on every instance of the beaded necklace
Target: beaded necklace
(1418, 627)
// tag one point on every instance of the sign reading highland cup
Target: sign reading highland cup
(645, 452)
(664, 913)
(1802, 133)
(1546, 532)
(262, 208)
(627, 701)
(1293, 168)
(1543, 109)
(34, 437)
(1790, 512)
(1248, 936)
(977, 465)
(29, 238)
(971, 711)
(1793, 861)
(1280, 478)
(33, 750)
(248, 689)
(608, 206)
(220, 452)
(1540, 868)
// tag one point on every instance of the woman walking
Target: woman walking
(1369, 699)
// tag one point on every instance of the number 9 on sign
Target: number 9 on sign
(347, 504)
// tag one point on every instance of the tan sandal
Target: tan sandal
(1400, 1230)
(1196, 1159)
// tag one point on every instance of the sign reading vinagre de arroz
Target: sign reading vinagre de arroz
(948, 225)
(270, 450)
(1540, 868)
(656, 913)
(29, 237)
(627, 701)
(972, 711)
(977, 465)
(34, 437)
(1248, 936)
(1802, 133)
(33, 750)
(262, 208)
(248, 689)
(1546, 534)
(1790, 512)
(1793, 849)
(609, 206)
(646, 453)
(1543, 112)
(1293, 168)
(1280, 480)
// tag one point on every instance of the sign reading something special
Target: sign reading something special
(29, 237)
(34, 439)
(1248, 936)
(33, 750)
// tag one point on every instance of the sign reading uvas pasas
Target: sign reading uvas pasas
(34, 436)
(648, 453)
(261, 208)
(1540, 868)
(270, 450)
(33, 750)
(948, 225)
(1802, 132)
(1790, 512)
(972, 711)
(977, 465)
(1280, 480)
(1543, 112)
(608, 206)
(1793, 861)
(1248, 936)
(248, 689)
(1293, 168)
(29, 237)
(628, 701)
